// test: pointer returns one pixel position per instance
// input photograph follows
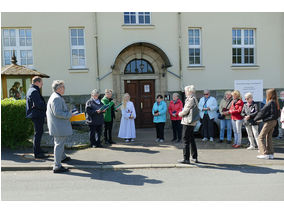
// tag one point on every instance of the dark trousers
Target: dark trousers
(189, 142)
(95, 134)
(38, 130)
(177, 129)
(107, 132)
(160, 130)
(208, 126)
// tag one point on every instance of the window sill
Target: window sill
(138, 26)
(78, 70)
(245, 67)
(195, 67)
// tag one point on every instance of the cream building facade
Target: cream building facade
(105, 50)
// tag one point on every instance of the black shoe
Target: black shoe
(66, 159)
(220, 141)
(60, 170)
(194, 160)
(43, 151)
(41, 156)
(173, 140)
(184, 161)
(229, 142)
(112, 142)
(99, 146)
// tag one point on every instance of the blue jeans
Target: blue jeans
(223, 124)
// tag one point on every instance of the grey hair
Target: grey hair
(228, 92)
(175, 95)
(189, 88)
(57, 84)
(206, 91)
(248, 95)
(95, 92)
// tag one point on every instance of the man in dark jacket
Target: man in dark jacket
(35, 110)
(95, 118)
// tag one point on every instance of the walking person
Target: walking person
(249, 112)
(208, 111)
(109, 116)
(127, 124)
(159, 111)
(174, 108)
(282, 118)
(237, 119)
(189, 142)
(225, 120)
(59, 125)
(95, 118)
(269, 114)
(281, 105)
(36, 111)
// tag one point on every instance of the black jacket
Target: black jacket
(252, 111)
(35, 103)
(268, 113)
(92, 117)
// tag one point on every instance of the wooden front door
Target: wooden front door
(142, 94)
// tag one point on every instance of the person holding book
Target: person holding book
(159, 111)
(109, 116)
(174, 108)
(127, 124)
(94, 118)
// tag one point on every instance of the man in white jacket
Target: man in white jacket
(208, 111)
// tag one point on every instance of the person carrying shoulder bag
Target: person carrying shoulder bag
(190, 116)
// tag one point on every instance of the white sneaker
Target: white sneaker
(263, 156)
(271, 156)
(126, 140)
(132, 140)
(211, 139)
(251, 148)
(161, 140)
(158, 139)
(204, 139)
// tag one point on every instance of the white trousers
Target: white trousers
(252, 135)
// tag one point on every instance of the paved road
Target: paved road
(209, 182)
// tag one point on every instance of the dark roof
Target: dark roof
(18, 70)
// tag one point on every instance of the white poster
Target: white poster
(146, 88)
(253, 86)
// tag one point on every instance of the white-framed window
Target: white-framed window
(141, 18)
(20, 40)
(194, 46)
(78, 50)
(243, 46)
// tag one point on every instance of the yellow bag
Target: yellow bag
(78, 117)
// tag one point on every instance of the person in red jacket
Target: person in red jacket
(237, 119)
(174, 108)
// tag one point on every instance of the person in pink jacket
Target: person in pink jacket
(174, 108)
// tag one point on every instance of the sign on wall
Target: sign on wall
(253, 86)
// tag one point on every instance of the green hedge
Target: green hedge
(15, 127)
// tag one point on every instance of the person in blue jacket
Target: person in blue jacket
(159, 112)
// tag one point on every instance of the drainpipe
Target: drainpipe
(97, 52)
(179, 51)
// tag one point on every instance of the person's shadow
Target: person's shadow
(244, 168)
(118, 176)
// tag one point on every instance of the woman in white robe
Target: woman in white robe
(127, 124)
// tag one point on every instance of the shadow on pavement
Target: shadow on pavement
(126, 149)
(119, 176)
(92, 163)
(244, 168)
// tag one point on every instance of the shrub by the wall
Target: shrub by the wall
(15, 127)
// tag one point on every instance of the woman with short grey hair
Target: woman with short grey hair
(174, 108)
(95, 118)
(190, 103)
(57, 84)
(249, 111)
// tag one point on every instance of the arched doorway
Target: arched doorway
(140, 70)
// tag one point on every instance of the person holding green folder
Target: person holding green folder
(109, 116)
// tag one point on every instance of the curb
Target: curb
(102, 167)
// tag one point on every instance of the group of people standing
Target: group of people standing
(99, 113)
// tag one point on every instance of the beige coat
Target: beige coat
(190, 102)
(223, 104)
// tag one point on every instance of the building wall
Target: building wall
(51, 47)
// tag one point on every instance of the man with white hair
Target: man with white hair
(58, 124)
